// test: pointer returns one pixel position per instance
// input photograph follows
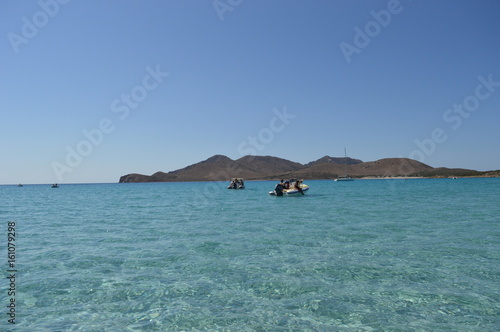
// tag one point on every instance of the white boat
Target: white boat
(236, 183)
(292, 191)
(346, 177)
(55, 185)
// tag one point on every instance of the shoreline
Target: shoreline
(250, 180)
(383, 178)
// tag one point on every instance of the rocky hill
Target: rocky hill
(335, 160)
(269, 165)
(389, 167)
(222, 168)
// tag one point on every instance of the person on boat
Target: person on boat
(241, 184)
(279, 189)
(297, 186)
(286, 185)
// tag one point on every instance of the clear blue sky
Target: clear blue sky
(387, 91)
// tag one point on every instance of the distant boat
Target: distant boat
(346, 177)
(19, 185)
(55, 185)
(236, 183)
(292, 191)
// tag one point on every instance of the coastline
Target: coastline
(222, 168)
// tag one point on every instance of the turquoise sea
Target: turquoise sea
(368, 255)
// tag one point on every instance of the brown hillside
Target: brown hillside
(216, 168)
(447, 172)
(391, 167)
(222, 168)
(268, 164)
(335, 160)
(383, 167)
(134, 177)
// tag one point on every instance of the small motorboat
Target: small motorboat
(288, 188)
(344, 178)
(236, 183)
(55, 185)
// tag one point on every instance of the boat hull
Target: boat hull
(291, 192)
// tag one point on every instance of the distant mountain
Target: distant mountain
(268, 164)
(335, 160)
(216, 168)
(134, 177)
(222, 168)
(389, 167)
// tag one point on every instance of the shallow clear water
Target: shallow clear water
(368, 255)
